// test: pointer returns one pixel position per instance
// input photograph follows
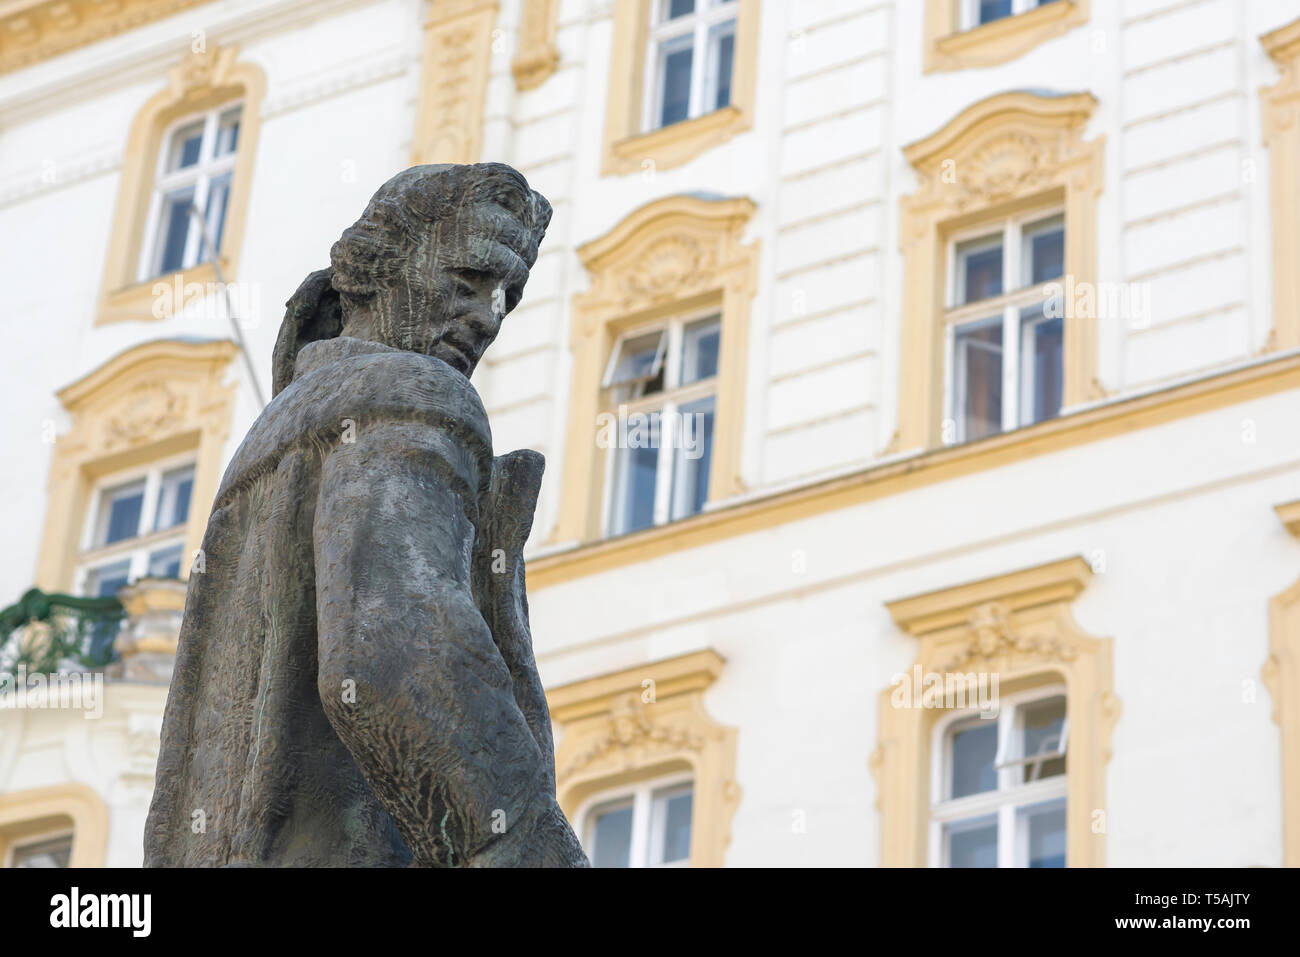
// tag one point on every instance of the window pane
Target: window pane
(1042, 357)
(228, 134)
(1044, 245)
(185, 146)
(978, 348)
(672, 813)
(165, 563)
(973, 843)
(1044, 829)
(103, 582)
(678, 8)
(991, 10)
(675, 77)
(700, 350)
(120, 513)
(173, 230)
(56, 852)
(639, 359)
(979, 270)
(174, 498)
(694, 456)
(634, 499)
(215, 216)
(611, 836)
(1044, 723)
(722, 44)
(974, 749)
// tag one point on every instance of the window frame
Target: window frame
(136, 550)
(15, 845)
(969, 19)
(1010, 304)
(667, 401)
(1006, 800)
(642, 794)
(699, 26)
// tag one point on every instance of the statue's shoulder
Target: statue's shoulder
(346, 383)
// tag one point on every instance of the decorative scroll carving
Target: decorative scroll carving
(453, 81)
(538, 56)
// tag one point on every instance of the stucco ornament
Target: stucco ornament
(355, 682)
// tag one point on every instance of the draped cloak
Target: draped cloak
(251, 771)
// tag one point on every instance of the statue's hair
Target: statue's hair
(486, 212)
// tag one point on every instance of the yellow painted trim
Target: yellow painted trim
(1105, 421)
(1281, 675)
(948, 47)
(454, 71)
(1017, 626)
(627, 148)
(26, 811)
(997, 157)
(155, 400)
(675, 254)
(200, 82)
(537, 55)
(35, 30)
(1280, 109)
(644, 721)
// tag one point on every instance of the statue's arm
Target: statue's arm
(409, 674)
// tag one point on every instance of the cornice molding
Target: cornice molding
(681, 675)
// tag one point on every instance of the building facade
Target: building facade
(917, 381)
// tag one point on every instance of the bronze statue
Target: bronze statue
(355, 682)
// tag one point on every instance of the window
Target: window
(662, 383)
(47, 851)
(1006, 348)
(1002, 792)
(692, 47)
(646, 826)
(196, 167)
(975, 13)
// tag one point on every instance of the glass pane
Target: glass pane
(678, 8)
(56, 852)
(978, 349)
(611, 836)
(1044, 244)
(165, 563)
(722, 44)
(215, 216)
(120, 513)
(103, 582)
(185, 146)
(1042, 357)
(1044, 723)
(675, 77)
(973, 843)
(174, 498)
(634, 499)
(991, 10)
(1043, 827)
(639, 359)
(228, 134)
(173, 230)
(979, 270)
(694, 456)
(974, 749)
(700, 350)
(672, 813)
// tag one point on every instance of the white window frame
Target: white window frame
(1017, 294)
(1009, 798)
(200, 176)
(667, 402)
(27, 840)
(698, 25)
(642, 850)
(137, 549)
(970, 10)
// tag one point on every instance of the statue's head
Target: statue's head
(433, 265)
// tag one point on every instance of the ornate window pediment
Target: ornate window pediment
(1018, 627)
(644, 722)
